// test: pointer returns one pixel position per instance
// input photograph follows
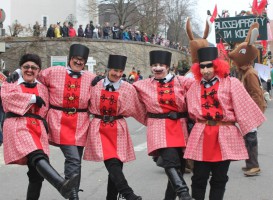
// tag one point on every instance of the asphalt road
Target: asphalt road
(143, 175)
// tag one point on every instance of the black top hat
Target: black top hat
(162, 57)
(117, 62)
(79, 50)
(207, 54)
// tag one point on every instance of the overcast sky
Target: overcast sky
(203, 5)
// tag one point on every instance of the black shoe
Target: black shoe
(185, 196)
(66, 188)
(132, 196)
(74, 194)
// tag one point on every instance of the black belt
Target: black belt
(108, 118)
(169, 115)
(69, 110)
(31, 115)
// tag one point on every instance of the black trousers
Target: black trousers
(201, 174)
(33, 157)
(114, 167)
(171, 158)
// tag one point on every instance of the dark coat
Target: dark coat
(50, 32)
(65, 31)
(88, 32)
(80, 32)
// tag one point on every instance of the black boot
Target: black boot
(33, 190)
(178, 183)
(122, 186)
(132, 196)
(170, 194)
(51, 175)
(198, 194)
(75, 191)
(112, 191)
(74, 194)
(216, 194)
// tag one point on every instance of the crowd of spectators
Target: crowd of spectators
(116, 32)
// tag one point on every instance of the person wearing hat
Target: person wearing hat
(164, 99)
(108, 138)
(216, 102)
(68, 119)
(243, 58)
(25, 130)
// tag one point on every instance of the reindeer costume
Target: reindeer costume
(243, 57)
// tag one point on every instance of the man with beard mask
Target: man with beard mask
(216, 102)
(68, 119)
(108, 136)
(164, 99)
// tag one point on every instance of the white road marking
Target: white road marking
(139, 129)
(141, 147)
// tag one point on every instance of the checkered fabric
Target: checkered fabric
(18, 141)
(128, 105)
(156, 128)
(237, 107)
(54, 79)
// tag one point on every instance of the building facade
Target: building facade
(47, 12)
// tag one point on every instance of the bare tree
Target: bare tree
(152, 15)
(176, 13)
(15, 29)
(71, 19)
(124, 12)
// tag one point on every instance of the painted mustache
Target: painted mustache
(79, 64)
(158, 70)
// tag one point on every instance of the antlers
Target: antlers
(197, 43)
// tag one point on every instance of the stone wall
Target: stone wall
(137, 52)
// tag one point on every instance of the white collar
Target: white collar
(115, 84)
(68, 69)
(167, 78)
(21, 80)
(209, 83)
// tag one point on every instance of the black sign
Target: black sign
(235, 29)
